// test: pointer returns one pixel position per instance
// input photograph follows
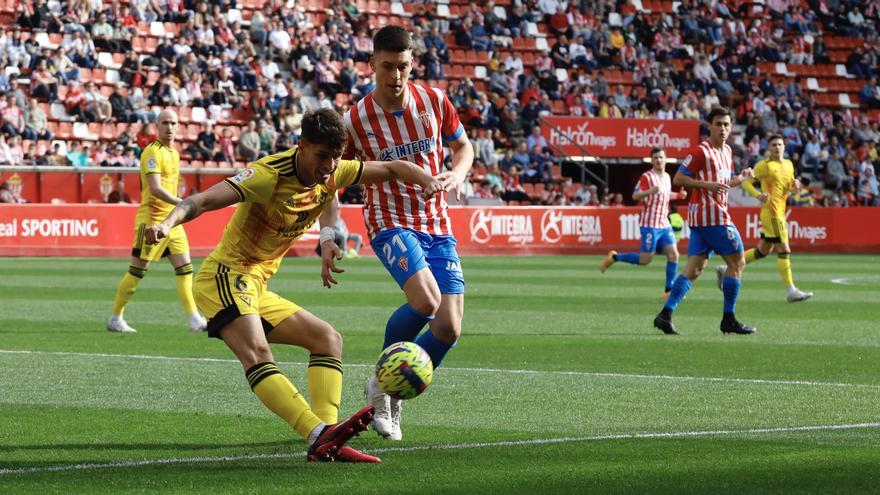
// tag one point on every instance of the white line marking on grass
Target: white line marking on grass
(860, 280)
(599, 374)
(458, 446)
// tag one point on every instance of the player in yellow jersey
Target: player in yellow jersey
(160, 172)
(776, 175)
(280, 197)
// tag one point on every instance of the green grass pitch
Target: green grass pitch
(558, 385)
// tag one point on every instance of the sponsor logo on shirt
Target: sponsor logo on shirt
(405, 150)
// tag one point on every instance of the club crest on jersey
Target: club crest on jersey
(425, 118)
(403, 264)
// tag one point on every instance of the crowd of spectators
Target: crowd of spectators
(284, 59)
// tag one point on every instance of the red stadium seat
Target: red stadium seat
(64, 131)
(108, 132)
(151, 44)
(192, 132)
(184, 114)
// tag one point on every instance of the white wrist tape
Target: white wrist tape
(328, 234)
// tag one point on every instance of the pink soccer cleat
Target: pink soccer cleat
(327, 447)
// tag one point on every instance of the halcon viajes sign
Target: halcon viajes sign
(620, 138)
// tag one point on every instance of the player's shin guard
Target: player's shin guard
(325, 386)
(730, 287)
(404, 324)
(631, 258)
(126, 288)
(280, 396)
(680, 288)
(671, 270)
(184, 282)
(783, 264)
(753, 255)
(435, 348)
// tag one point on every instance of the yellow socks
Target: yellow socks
(184, 282)
(753, 254)
(783, 264)
(126, 288)
(325, 386)
(280, 396)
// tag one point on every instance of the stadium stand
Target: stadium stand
(92, 73)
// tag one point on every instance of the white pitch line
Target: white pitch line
(598, 374)
(459, 446)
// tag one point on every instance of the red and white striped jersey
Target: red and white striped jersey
(415, 134)
(655, 208)
(709, 164)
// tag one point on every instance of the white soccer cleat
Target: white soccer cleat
(396, 433)
(118, 325)
(720, 272)
(798, 295)
(381, 402)
(197, 323)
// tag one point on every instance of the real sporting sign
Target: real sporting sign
(107, 230)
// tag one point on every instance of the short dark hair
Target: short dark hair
(392, 39)
(657, 150)
(325, 127)
(775, 136)
(718, 111)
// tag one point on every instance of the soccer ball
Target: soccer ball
(404, 370)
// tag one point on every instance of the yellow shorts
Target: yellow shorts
(774, 230)
(175, 243)
(223, 295)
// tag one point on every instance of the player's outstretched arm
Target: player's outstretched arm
(219, 196)
(329, 250)
(683, 180)
(745, 176)
(639, 195)
(462, 161)
(376, 172)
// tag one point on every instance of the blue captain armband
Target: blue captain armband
(455, 135)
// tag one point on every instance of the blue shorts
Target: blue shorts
(404, 252)
(656, 240)
(722, 239)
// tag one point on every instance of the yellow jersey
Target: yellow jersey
(157, 158)
(776, 180)
(275, 210)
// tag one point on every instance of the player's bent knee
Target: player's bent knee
(330, 343)
(426, 303)
(259, 353)
(447, 333)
